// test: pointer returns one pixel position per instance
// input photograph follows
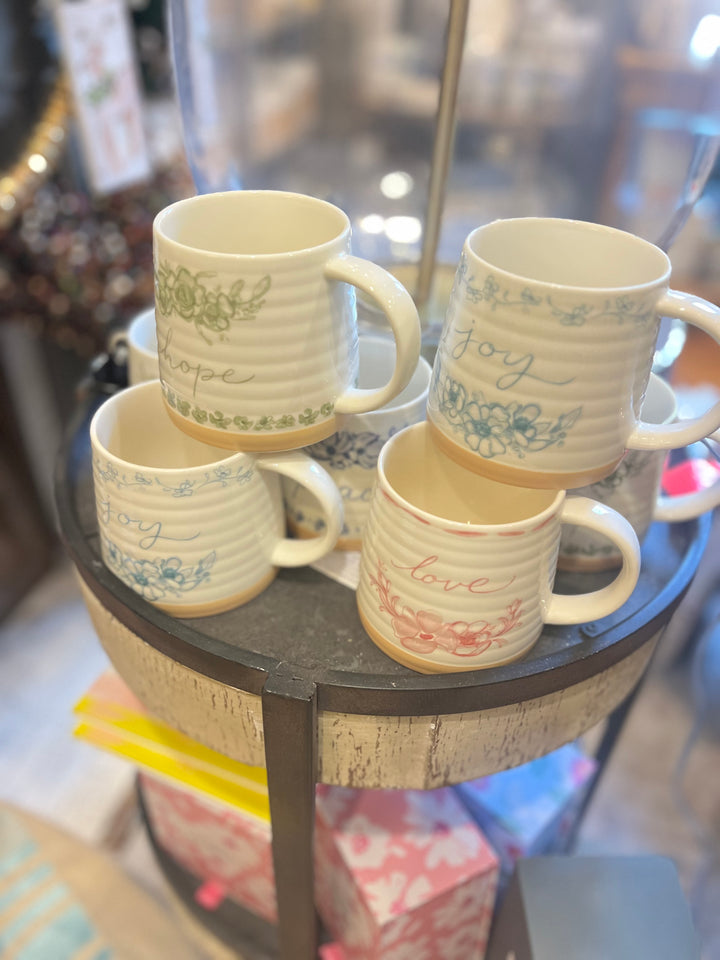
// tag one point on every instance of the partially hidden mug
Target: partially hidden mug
(350, 455)
(140, 342)
(546, 352)
(633, 489)
(256, 319)
(456, 570)
(193, 530)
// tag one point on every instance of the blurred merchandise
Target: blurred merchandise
(530, 810)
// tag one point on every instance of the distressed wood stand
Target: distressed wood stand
(291, 681)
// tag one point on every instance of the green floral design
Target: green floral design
(633, 465)
(261, 424)
(622, 309)
(198, 301)
(491, 428)
(588, 549)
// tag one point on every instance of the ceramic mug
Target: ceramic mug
(350, 455)
(456, 570)
(140, 342)
(633, 489)
(546, 352)
(256, 319)
(192, 529)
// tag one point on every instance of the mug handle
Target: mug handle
(117, 340)
(668, 436)
(579, 608)
(300, 467)
(687, 506)
(401, 312)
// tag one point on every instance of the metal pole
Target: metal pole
(443, 145)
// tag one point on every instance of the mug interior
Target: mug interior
(142, 333)
(246, 223)
(569, 252)
(376, 365)
(422, 475)
(659, 405)
(133, 426)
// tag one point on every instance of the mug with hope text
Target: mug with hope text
(633, 489)
(456, 571)
(256, 319)
(194, 530)
(546, 352)
(350, 455)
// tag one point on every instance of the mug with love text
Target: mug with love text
(456, 570)
(546, 352)
(193, 530)
(633, 489)
(350, 455)
(256, 319)
(140, 343)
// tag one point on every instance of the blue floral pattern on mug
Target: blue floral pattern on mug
(346, 449)
(159, 578)
(220, 475)
(491, 428)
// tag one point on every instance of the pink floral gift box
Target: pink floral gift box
(403, 875)
(529, 810)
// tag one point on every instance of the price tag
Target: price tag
(100, 61)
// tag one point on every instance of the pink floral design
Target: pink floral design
(423, 631)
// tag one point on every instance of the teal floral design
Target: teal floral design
(197, 301)
(622, 309)
(221, 476)
(344, 450)
(491, 428)
(158, 579)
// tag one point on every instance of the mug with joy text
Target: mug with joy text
(457, 570)
(633, 489)
(192, 529)
(546, 352)
(256, 319)
(350, 455)
(140, 342)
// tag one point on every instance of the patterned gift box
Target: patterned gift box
(530, 809)
(218, 844)
(403, 875)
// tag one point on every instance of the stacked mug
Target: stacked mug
(537, 388)
(256, 346)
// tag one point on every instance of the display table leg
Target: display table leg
(290, 726)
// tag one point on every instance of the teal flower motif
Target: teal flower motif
(184, 489)
(521, 422)
(485, 425)
(143, 578)
(171, 570)
(453, 398)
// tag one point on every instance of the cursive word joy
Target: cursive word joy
(200, 373)
(151, 530)
(420, 573)
(520, 366)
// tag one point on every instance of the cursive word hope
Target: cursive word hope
(519, 366)
(420, 573)
(200, 373)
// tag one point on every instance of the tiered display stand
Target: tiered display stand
(291, 681)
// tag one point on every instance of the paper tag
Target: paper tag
(100, 62)
(343, 566)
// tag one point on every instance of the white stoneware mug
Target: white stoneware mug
(192, 529)
(140, 342)
(456, 570)
(256, 319)
(350, 455)
(546, 351)
(633, 489)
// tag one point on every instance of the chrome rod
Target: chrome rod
(443, 145)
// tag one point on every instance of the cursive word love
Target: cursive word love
(520, 366)
(200, 373)
(150, 529)
(420, 573)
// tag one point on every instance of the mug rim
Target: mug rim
(586, 226)
(233, 196)
(392, 407)
(117, 399)
(435, 520)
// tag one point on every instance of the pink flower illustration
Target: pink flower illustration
(423, 631)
